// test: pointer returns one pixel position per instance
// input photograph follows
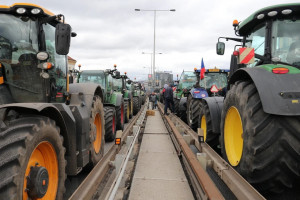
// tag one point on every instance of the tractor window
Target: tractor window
(18, 48)
(257, 42)
(210, 79)
(97, 77)
(59, 70)
(286, 41)
(118, 84)
(187, 80)
(109, 82)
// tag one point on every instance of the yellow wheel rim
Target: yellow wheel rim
(233, 136)
(128, 112)
(44, 154)
(98, 140)
(131, 106)
(203, 126)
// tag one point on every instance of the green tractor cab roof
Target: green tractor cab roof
(277, 11)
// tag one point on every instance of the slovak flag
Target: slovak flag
(202, 70)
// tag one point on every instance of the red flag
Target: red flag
(202, 70)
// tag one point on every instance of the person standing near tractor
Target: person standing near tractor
(153, 99)
(168, 94)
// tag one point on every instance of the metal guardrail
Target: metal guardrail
(136, 130)
(90, 184)
(234, 181)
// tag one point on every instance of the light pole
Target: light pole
(171, 10)
(151, 60)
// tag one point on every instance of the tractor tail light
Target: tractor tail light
(280, 70)
(235, 53)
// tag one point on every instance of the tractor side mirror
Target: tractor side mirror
(220, 48)
(62, 38)
(118, 75)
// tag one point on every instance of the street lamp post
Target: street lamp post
(171, 10)
(151, 71)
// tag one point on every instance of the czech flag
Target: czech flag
(202, 70)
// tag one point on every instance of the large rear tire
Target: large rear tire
(127, 111)
(130, 109)
(28, 145)
(205, 123)
(120, 112)
(176, 106)
(110, 123)
(136, 105)
(193, 110)
(263, 148)
(97, 131)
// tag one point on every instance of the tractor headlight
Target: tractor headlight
(35, 11)
(42, 55)
(21, 10)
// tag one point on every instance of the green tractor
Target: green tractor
(260, 129)
(120, 88)
(186, 82)
(126, 84)
(136, 97)
(114, 103)
(49, 128)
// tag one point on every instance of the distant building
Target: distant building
(71, 63)
(161, 78)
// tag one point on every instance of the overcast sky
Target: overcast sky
(110, 32)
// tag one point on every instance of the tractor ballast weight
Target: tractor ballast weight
(276, 92)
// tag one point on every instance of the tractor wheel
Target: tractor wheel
(110, 123)
(263, 148)
(176, 106)
(120, 112)
(97, 133)
(205, 123)
(32, 159)
(136, 105)
(126, 109)
(182, 116)
(130, 109)
(193, 110)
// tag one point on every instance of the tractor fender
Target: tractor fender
(215, 105)
(119, 98)
(63, 117)
(81, 102)
(279, 93)
(88, 89)
(182, 104)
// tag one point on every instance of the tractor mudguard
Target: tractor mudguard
(182, 104)
(215, 105)
(119, 99)
(88, 89)
(63, 117)
(279, 93)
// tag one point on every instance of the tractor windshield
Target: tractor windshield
(93, 76)
(18, 49)
(118, 84)
(210, 79)
(285, 41)
(187, 79)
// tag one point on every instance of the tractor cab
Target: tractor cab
(34, 44)
(269, 38)
(215, 81)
